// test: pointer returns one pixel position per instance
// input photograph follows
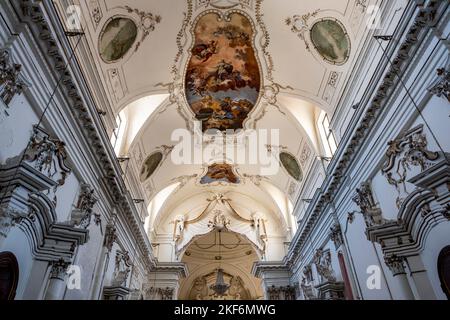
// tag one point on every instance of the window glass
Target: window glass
(326, 135)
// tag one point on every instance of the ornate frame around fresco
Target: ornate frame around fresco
(205, 170)
(130, 50)
(225, 16)
(261, 40)
(286, 170)
(346, 34)
(309, 20)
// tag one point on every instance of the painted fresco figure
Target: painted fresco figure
(205, 51)
(224, 70)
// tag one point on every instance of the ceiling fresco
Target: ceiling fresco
(291, 165)
(326, 35)
(223, 78)
(150, 165)
(232, 64)
(121, 31)
(220, 172)
(117, 37)
(331, 40)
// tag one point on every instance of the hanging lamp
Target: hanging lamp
(220, 287)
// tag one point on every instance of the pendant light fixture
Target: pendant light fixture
(220, 287)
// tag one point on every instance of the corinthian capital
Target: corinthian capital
(395, 264)
(59, 269)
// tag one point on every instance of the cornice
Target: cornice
(421, 210)
(179, 268)
(260, 267)
(29, 208)
(346, 155)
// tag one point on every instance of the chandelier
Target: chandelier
(220, 287)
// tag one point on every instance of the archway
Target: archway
(9, 276)
(229, 252)
(444, 270)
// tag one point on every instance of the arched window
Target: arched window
(9, 276)
(443, 266)
(118, 133)
(326, 135)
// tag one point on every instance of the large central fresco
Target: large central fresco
(222, 78)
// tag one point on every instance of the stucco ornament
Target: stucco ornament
(178, 229)
(322, 261)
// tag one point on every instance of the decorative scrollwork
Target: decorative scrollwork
(300, 25)
(10, 82)
(147, 23)
(336, 235)
(224, 4)
(322, 261)
(265, 40)
(369, 207)
(282, 293)
(403, 153)
(180, 36)
(441, 87)
(48, 156)
(82, 214)
(122, 269)
(110, 235)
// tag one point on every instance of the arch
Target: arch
(170, 205)
(137, 95)
(156, 204)
(9, 275)
(443, 266)
(233, 265)
(307, 97)
(243, 236)
(138, 113)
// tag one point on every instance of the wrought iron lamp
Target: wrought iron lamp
(220, 287)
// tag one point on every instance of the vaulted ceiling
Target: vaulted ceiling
(136, 53)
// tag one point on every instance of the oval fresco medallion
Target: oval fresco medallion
(291, 165)
(116, 39)
(222, 78)
(150, 165)
(331, 41)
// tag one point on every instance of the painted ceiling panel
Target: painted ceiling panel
(231, 64)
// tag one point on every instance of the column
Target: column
(397, 267)
(420, 278)
(274, 274)
(164, 281)
(99, 272)
(348, 293)
(57, 281)
(109, 239)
